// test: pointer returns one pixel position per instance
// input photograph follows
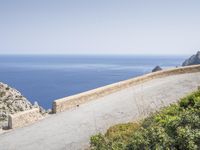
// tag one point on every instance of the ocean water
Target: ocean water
(46, 78)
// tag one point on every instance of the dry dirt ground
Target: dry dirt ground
(71, 130)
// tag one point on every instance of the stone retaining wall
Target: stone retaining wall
(78, 99)
(24, 118)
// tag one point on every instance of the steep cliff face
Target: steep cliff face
(193, 60)
(11, 101)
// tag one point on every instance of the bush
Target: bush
(192, 100)
(117, 137)
(98, 142)
(175, 127)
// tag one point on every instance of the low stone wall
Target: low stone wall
(76, 100)
(23, 118)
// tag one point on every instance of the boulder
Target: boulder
(157, 68)
(193, 60)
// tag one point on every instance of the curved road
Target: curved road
(70, 130)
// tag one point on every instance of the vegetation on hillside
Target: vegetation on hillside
(176, 127)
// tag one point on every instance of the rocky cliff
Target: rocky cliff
(193, 60)
(11, 102)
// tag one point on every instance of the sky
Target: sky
(99, 27)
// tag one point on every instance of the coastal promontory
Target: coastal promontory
(193, 60)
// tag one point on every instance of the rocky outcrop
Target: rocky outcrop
(193, 60)
(11, 102)
(157, 68)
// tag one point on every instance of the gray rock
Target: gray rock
(193, 60)
(157, 68)
(49, 111)
(36, 104)
(42, 110)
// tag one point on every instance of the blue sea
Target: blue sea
(44, 78)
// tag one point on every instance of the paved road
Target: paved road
(71, 130)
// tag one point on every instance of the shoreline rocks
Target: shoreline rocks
(157, 68)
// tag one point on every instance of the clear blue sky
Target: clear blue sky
(99, 26)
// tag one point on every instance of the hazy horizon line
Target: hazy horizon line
(92, 54)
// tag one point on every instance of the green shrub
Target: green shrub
(116, 137)
(98, 142)
(122, 131)
(191, 100)
(175, 127)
